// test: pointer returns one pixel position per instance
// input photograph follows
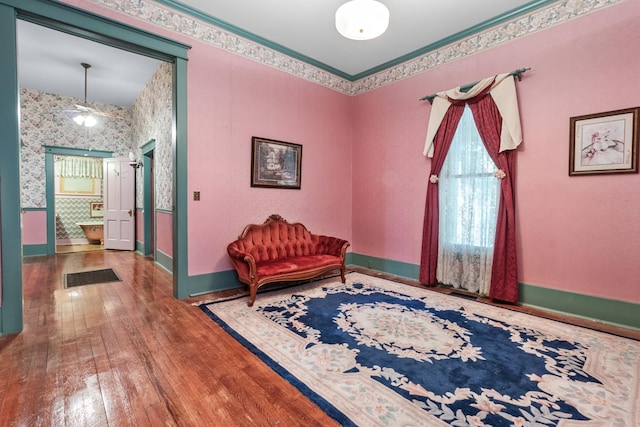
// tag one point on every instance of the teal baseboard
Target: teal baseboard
(143, 250)
(213, 282)
(34, 250)
(203, 283)
(164, 260)
(395, 268)
(614, 312)
(222, 281)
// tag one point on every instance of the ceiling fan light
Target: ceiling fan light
(90, 121)
(85, 120)
(79, 119)
(362, 19)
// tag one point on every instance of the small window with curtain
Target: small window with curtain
(78, 176)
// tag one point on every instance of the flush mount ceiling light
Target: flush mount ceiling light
(362, 19)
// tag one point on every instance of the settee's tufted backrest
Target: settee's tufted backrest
(276, 239)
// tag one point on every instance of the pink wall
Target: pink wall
(164, 233)
(231, 99)
(140, 226)
(577, 234)
(34, 227)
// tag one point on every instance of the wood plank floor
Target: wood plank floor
(128, 353)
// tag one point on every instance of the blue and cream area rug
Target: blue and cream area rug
(373, 352)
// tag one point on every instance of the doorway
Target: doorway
(54, 214)
(148, 228)
(80, 23)
(78, 204)
(126, 96)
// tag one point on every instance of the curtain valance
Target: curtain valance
(78, 167)
(502, 89)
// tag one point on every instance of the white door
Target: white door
(119, 204)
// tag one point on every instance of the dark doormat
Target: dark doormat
(90, 277)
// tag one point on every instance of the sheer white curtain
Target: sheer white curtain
(468, 200)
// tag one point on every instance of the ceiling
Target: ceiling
(307, 27)
(49, 60)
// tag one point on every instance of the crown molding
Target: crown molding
(178, 18)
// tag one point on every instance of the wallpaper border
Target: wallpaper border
(202, 27)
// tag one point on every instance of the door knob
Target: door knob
(130, 212)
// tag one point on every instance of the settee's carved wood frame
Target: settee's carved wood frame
(272, 218)
(251, 277)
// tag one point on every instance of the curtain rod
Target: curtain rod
(517, 73)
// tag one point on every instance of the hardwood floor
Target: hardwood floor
(128, 353)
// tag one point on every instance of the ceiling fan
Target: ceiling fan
(83, 114)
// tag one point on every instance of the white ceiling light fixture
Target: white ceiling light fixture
(85, 119)
(84, 116)
(362, 19)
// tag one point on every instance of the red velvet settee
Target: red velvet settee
(277, 251)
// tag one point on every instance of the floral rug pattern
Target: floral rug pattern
(375, 352)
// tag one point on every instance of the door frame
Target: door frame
(93, 27)
(148, 196)
(50, 152)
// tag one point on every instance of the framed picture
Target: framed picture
(604, 143)
(275, 164)
(96, 209)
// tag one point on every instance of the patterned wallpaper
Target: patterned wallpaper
(43, 122)
(152, 116)
(71, 210)
(164, 17)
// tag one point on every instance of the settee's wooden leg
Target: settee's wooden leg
(342, 271)
(253, 291)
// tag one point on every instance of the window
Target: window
(468, 204)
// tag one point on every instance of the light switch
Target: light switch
(196, 196)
